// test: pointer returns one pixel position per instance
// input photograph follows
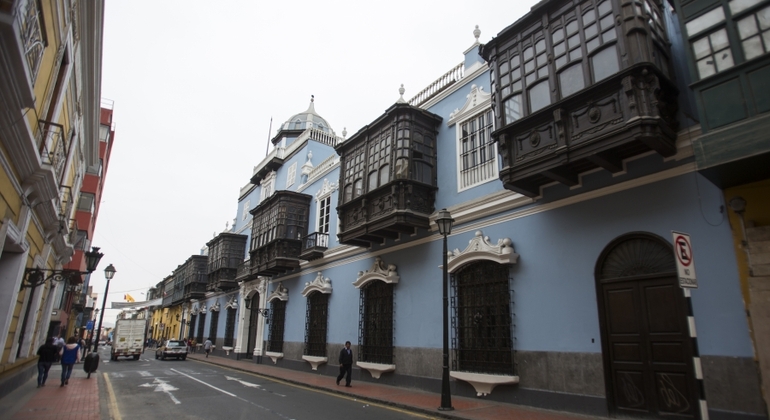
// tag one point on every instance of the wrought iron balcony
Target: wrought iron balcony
(314, 245)
(53, 146)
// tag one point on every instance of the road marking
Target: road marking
(248, 384)
(163, 386)
(112, 404)
(144, 373)
(204, 383)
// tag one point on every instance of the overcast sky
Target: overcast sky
(195, 84)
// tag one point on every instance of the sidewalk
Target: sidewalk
(78, 400)
(409, 399)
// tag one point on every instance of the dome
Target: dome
(307, 119)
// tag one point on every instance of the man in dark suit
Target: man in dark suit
(346, 364)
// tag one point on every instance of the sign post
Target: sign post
(685, 264)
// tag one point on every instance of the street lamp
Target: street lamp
(109, 272)
(34, 277)
(444, 222)
(265, 312)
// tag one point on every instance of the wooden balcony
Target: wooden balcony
(277, 257)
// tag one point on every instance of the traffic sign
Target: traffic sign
(685, 262)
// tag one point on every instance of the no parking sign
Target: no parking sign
(685, 263)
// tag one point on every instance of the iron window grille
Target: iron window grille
(214, 326)
(193, 319)
(278, 315)
(375, 323)
(482, 322)
(229, 327)
(201, 323)
(316, 320)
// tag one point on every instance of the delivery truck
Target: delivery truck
(128, 338)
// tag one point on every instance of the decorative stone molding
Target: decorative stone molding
(484, 383)
(477, 101)
(326, 189)
(320, 284)
(198, 309)
(262, 285)
(280, 293)
(215, 306)
(232, 303)
(379, 271)
(274, 356)
(479, 248)
(376, 369)
(315, 361)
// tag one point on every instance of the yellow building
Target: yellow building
(50, 78)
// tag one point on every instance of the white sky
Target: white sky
(195, 84)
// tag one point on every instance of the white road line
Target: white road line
(204, 383)
(144, 373)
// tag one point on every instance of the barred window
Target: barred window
(201, 323)
(482, 339)
(214, 326)
(376, 323)
(230, 327)
(278, 315)
(316, 319)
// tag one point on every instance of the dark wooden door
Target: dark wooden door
(253, 322)
(646, 345)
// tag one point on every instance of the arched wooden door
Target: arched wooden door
(253, 324)
(646, 347)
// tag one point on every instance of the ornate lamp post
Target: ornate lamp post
(34, 277)
(444, 222)
(109, 273)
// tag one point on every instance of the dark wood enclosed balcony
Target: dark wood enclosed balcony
(190, 278)
(226, 253)
(388, 177)
(194, 291)
(279, 223)
(314, 245)
(584, 88)
(277, 257)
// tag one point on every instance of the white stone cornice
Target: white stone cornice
(379, 271)
(326, 189)
(321, 284)
(479, 248)
(232, 303)
(280, 293)
(477, 100)
(215, 306)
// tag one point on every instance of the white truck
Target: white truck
(128, 338)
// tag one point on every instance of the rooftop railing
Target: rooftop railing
(449, 78)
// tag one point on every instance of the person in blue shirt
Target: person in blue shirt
(70, 354)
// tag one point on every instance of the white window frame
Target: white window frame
(478, 102)
(245, 210)
(291, 175)
(268, 186)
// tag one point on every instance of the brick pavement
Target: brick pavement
(79, 400)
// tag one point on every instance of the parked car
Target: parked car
(172, 348)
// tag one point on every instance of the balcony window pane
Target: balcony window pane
(737, 6)
(607, 22)
(515, 61)
(701, 48)
(540, 46)
(531, 78)
(542, 72)
(557, 35)
(608, 36)
(706, 21)
(605, 63)
(512, 109)
(752, 47)
(604, 7)
(592, 44)
(724, 60)
(764, 18)
(384, 174)
(590, 31)
(539, 96)
(573, 41)
(516, 86)
(559, 49)
(575, 54)
(528, 53)
(572, 27)
(719, 40)
(402, 168)
(706, 67)
(541, 60)
(372, 180)
(571, 80)
(529, 66)
(506, 91)
(589, 17)
(747, 27)
(505, 80)
(561, 61)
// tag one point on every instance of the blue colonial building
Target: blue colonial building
(563, 150)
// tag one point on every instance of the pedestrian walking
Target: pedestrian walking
(47, 353)
(207, 346)
(70, 354)
(346, 364)
(58, 341)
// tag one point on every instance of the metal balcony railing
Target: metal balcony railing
(315, 240)
(54, 147)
